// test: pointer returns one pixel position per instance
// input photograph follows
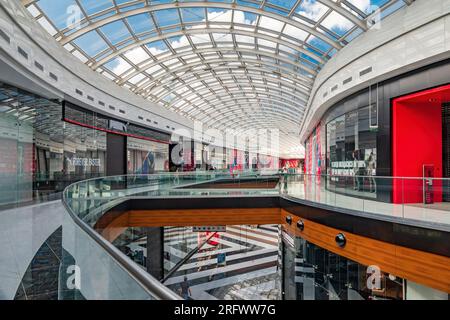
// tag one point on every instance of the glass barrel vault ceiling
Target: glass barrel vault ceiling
(230, 63)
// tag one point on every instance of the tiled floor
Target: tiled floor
(250, 271)
(40, 281)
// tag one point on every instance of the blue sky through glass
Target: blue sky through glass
(94, 6)
(91, 43)
(283, 41)
(58, 11)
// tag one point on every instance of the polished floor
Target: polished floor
(248, 272)
(248, 269)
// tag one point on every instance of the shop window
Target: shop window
(351, 153)
(147, 157)
(41, 154)
(314, 273)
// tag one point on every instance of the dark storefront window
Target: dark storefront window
(351, 154)
(75, 114)
(314, 273)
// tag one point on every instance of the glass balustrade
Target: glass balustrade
(409, 199)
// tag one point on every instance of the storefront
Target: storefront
(314, 273)
(392, 128)
(351, 150)
(292, 165)
(46, 145)
(146, 157)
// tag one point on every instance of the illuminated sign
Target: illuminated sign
(84, 162)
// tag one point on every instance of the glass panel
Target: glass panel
(351, 153)
(314, 273)
(9, 147)
(147, 157)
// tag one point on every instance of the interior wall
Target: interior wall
(431, 76)
(416, 141)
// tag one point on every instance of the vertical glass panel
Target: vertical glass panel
(84, 152)
(49, 149)
(147, 157)
(351, 134)
(314, 273)
(9, 136)
(351, 149)
(368, 147)
(340, 138)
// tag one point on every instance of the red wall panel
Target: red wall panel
(417, 140)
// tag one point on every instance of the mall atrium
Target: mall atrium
(225, 150)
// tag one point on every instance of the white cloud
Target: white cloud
(121, 66)
(363, 5)
(222, 16)
(336, 21)
(314, 10)
(137, 55)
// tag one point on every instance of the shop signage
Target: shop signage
(346, 168)
(56, 150)
(84, 162)
(347, 164)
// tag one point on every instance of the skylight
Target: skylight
(268, 51)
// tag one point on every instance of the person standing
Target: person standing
(185, 289)
(371, 172)
(355, 170)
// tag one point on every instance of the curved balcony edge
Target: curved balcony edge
(150, 284)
